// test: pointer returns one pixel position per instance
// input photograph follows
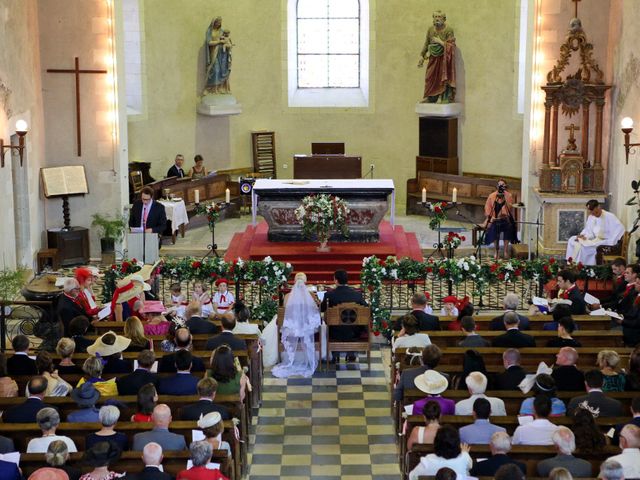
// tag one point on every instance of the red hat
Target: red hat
(450, 299)
(463, 302)
(82, 274)
(221, 280)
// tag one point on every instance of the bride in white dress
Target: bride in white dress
(301, 322)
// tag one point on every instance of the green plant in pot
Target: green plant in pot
(110, 230)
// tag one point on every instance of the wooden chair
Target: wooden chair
(608, 253)
(136, 181)
(349, 314)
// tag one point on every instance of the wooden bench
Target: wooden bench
(529, 455)
(473, 190)
(536, 322)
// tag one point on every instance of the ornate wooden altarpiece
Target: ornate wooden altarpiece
(574, 169)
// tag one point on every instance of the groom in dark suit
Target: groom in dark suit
(343, 294)
(148, 214)
(176, 169)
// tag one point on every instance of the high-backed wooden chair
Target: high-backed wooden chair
(608, 253)
(136, 181)
(353, 315)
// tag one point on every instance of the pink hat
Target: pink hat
(48, 473)
(153, 306)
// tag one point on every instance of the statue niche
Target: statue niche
(576, 169)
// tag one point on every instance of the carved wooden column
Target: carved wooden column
(547, 125)
(554, 133)
(597, 158)
(586, 105)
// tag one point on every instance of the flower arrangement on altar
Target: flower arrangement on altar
(322, 214)
(438, 211)
(453, 240)
(211, 211)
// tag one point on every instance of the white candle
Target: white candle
(424, 195)
(197, 196)
(455, 195)
(227, 196)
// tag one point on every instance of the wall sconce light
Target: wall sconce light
(21, 130)
(627, 128)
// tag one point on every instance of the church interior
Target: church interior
(381, 209)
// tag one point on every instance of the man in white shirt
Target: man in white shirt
(409, 335)
(477, 385)
(601, 228)
(541, 430)
(630, 456)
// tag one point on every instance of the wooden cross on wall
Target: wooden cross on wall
(77, 73)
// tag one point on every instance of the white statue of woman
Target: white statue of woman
(301, 322)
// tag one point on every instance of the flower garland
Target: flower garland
(211, 211)
(438, 214)
(322, 214)
(376, 272)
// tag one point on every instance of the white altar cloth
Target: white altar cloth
(176, 213)
(321, 186)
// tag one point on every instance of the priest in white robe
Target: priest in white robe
(602, 228)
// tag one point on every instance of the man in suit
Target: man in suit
(226, 337)
(342, 294)
(471, 339)
(196, 324)
(176, 169)
(618, 268)
(481, 430)
(513, 373)
(183, 339)
(183, 382)
(635, 412)
(510, 302)
(206, 389)
(130, 384)
(26, 412)
(566, 280)
(565, 443)
(628, 297)
(160, 434)
(426, 322)
(6, 445)
(20, 363)
(69, 306)
(595, 400)
(567, 376)
(9, 471)
(500, 446)
(431, 355)
(147, 214)
(152, 459)
(513, 337)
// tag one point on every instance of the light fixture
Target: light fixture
(21, 131)
(627, 128)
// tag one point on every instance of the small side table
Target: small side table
(72, 245)
(48, 256)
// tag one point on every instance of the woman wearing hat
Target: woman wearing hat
(223, 299)
(128, 297)
(433, 384)
(109, 347)
(155, 323)
(212, 427)
(100, 456)
(86, 396)
(85, 278)
(465, 309)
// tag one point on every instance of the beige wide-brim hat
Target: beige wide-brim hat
(430, 382)
(136, 291)
(209, 420)
(145, 272)
(105, 349)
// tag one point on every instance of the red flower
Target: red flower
(133, 260)
(196, 264)
(442, 271)
(370, 287)
(428, 295)
(569, 260)
(545, 268)
(437, 210)
(376, 333)
(501, 276)
(114, 267)
(382, 263)
(274, 297)
(463, 238)
(213, 275)
(553, 260)
(494, 267)
(385, 325)
(429, 269)
(125, 265)
(580, 266)
(518, 272)
(444, 204)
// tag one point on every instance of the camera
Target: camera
(501, 189)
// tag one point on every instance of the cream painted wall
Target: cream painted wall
(385, 134)
(80, 28)
(19, 74)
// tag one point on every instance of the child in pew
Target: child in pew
(178, 300)
(201, 295)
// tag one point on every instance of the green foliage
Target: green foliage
(109, 228)
(11, 282)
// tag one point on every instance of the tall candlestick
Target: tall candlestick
(424, 195)
(197, 193)
(455, 195)
(227, 196)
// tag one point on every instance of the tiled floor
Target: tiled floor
(333, 426)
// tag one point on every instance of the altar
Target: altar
(368, 200)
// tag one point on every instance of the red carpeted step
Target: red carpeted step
(402, 246)
(415, 251)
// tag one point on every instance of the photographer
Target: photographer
(499, 221)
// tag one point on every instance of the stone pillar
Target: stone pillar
(586, 105)
(554, 134)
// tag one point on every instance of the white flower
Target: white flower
(240, 262)
(394, 274)
(288, 265)
(267, 259)
(508, 266)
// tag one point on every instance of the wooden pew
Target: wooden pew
(22, 433)
(529, 455)
(173, 462)
(584, 322)
(588, 338)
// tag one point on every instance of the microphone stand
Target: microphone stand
(480, 241)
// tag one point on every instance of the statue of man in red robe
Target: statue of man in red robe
(439, 48)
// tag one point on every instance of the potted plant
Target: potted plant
(320, 215)
(110, 230)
